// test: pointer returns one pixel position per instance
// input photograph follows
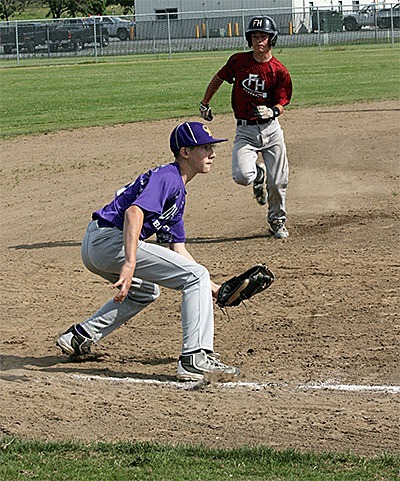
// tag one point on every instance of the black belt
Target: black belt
(253, 122)
(104, 223)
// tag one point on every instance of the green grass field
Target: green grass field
(39, 98)
(152, 462)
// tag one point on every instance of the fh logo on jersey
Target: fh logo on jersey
(255, 86)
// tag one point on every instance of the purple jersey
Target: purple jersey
(160, 193)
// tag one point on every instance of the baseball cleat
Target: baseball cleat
(260, 184)
(75, 341)
(278, 229)
(194, 367)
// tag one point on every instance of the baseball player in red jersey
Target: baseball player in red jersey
(262, 87)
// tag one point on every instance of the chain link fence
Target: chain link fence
(172, 32)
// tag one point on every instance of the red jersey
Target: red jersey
(255, 83)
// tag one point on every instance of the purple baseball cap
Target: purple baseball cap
(190, 134)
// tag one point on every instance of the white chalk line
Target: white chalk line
(239, 384)
(177, 384)
(352, 387)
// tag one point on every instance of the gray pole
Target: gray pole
(16, 41)
(169, 37)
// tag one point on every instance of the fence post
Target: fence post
(319, 29)
(169, 36)
(17, 41)
(206, 31)
(48, 39)
(392, 24)
(154, 37)
(244, 31)
(95, 37)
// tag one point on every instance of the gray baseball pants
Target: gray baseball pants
(267, 139)
(103, 254)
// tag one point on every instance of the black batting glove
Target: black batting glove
(206, 112)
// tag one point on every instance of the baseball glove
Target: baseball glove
(244, 286)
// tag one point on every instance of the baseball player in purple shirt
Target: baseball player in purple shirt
(115, 248)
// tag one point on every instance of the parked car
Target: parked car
(372, 16)
(366, 17)
(30, 36)
(74, 33)
(117, 27)
(387, 15)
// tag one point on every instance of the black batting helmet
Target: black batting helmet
(265, 25)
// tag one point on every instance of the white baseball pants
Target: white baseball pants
(103, 254)
(269, 141)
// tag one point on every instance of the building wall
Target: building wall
(149, 7)
(218, 17)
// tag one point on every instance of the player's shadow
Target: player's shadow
(192, 240)
(46, 245)
(74, 365)
(218, 240)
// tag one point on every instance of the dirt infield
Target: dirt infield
(330, 317)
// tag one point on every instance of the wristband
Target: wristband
(276, 112)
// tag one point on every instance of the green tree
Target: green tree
(127, 5)
(9, 7)
(75, 8)
(57, 8)
(97, 7)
